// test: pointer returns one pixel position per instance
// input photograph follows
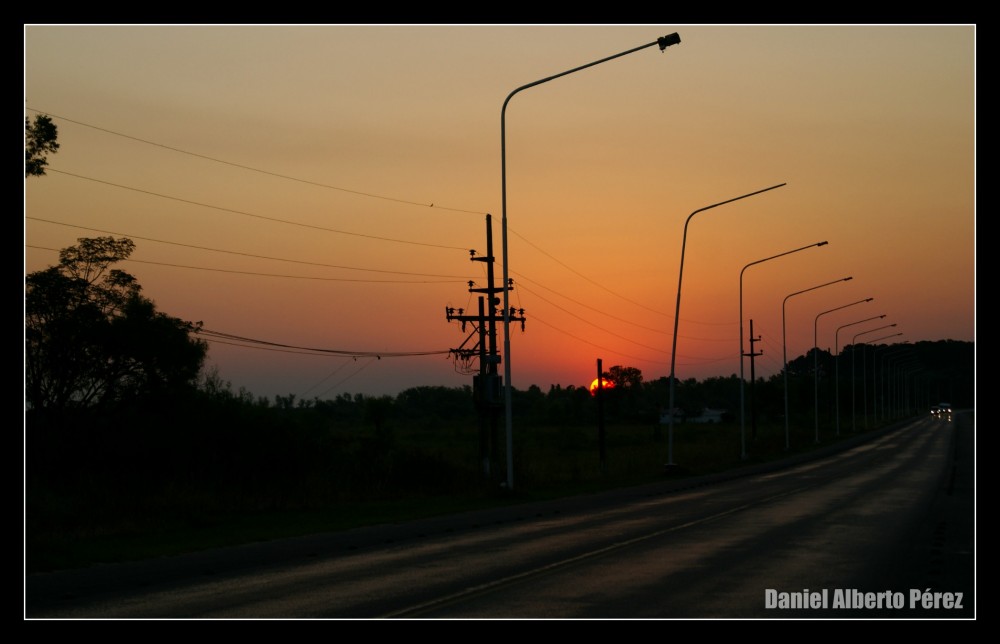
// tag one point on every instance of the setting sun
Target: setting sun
(606, 384)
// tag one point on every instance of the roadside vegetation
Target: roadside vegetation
(207, 466)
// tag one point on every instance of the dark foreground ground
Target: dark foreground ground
(940, 556)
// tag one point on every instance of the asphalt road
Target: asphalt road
(891, 519)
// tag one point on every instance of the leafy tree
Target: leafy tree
(625, 377)
(91, 338)
(39, 140)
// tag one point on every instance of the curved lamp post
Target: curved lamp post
(743, 442)
(677, 313)
(886, 360)
(816, 356)
(854, 353)
(904, 368)
(784, 343)
(864, 371)
(663, 42)
(836, 350)
(876, 370)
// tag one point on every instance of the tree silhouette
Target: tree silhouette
(92, 339)
(39, 141)
(625, 377)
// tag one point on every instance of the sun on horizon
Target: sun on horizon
(605, 383)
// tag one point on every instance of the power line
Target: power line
(341, 353)
(535, 318)
(686, 337)
(367, 194)
(325, 378)
(252, 169)
(620, 337)
(256, 348)
(335, 385)
(579, 274)
(587, 306)
(250, 214)
(231, 252)
(298, 277)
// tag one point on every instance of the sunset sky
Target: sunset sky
(321, 186)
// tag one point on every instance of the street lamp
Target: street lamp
(864, 371)
(663, 42)
(743, 442)
(878, 370)
(784, 343)
(836, 350)
(904, 368)
(886, 396)
(816, 356)
(677, 314)
(854, 353)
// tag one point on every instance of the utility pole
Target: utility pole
(487, 384)
(753, 377)
(602, 450)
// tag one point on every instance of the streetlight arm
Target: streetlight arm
(662, 41)
(836, 336)
(885, 337)
(843, 279)
(816, 321)
(789, 252)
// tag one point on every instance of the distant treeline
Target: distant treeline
(189, 456)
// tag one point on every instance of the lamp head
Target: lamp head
(666, 41)
(847, 279)
(823, 243)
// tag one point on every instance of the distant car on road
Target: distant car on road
(942, 410)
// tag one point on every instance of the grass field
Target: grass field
(401, 474)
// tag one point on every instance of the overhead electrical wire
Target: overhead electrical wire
(535, 318)
(342, 381)
(620, 337)
(587, 306)
(250, 214)
(367, 194)
(232, 252)
(341, 353)
(252, 169)
(579, 274)
(256, 274)
(325, 378)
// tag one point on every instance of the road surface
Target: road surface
(884, 529)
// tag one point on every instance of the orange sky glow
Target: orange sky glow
(321, 186)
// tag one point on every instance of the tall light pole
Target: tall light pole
(854, 353)
(902, 346)
(876, 370)
(677, 314)
(663, 42)
(784, 343)
(816, 356)
(910, 361)
(743, 442)
(864, 371)
(836, 351)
